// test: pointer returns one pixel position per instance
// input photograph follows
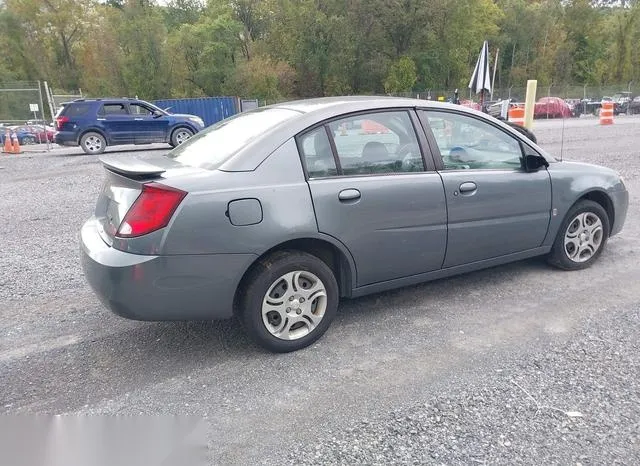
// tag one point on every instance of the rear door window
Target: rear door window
(366, 144)
(377, 143)
(114, 109)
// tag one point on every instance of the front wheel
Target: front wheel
(289, 301)
(28, 140)
(180, 136)
(581, 238)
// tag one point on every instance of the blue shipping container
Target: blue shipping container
(210, 109)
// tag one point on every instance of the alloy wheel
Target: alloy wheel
(294, 305)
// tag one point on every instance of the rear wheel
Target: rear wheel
(28, 140)
(582, 236)
(289, 301)
(180, 136)
(93, 143)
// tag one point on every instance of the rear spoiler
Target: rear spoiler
(130, 166)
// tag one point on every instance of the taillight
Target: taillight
(61, 121)
(151, 211)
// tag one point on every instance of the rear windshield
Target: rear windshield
(211, 147)
(74, 109)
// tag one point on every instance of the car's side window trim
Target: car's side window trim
(334, 150)
(431, 139)
(427, 166)
(423, 116)
(425, 148)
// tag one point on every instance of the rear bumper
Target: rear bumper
(620, 201)
(66, 138)
(161, 288)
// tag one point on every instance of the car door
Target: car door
(149, 128)
(372, 191)
(118, 123)
(494, 206)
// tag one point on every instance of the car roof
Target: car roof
(102, 100)
(314, 111)
(338, 104)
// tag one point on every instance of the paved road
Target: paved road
(516, 364)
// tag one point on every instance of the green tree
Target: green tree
(204, 54)
(402, 76)
(142, 38)
(53, 29)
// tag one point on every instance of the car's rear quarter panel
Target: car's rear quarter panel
(202, 225)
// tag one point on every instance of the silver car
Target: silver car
(276, 214)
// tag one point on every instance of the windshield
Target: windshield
(216, 144)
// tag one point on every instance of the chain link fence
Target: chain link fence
(18, 102)
(24, 102)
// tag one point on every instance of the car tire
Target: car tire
(574, 249)
(28, 140)
(288, 301)
(93, 143)
(180, 135)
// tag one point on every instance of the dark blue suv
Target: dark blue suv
(94, 124)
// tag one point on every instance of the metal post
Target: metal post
(48, 94)
(495, 67)
(46, 135)
(530, 100)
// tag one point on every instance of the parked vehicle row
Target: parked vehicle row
(29, 134)
(556, 107)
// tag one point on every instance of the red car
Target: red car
(470, 104)
(551, 107)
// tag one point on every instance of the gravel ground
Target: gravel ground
(566, 403)
(375, 380)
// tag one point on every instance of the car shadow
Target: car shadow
(103, 368)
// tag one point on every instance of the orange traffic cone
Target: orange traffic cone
(16, 144)
(8, 148)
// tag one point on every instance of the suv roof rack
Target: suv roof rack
(98, 99)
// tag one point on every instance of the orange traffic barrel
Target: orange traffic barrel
(516, 115)
(606, 113)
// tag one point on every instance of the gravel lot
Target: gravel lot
(515, 364)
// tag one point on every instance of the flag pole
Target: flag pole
(495, 67)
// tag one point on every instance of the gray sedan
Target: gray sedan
(277, 213)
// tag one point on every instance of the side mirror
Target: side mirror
(534, 162)
(157, 114)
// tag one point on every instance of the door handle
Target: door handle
(468, 187)
(349, 195)
(138, 119)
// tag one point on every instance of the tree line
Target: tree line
(275, 49)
